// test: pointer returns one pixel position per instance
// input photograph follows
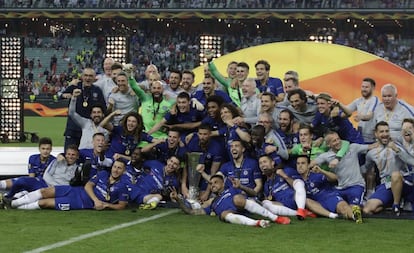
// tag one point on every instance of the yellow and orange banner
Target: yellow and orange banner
(331, 68)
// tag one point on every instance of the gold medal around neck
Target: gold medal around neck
(85, 104)
(107, 197)
(127, 152)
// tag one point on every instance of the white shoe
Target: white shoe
(263, 223)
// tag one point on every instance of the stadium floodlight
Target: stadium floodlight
(11, 100)
(210, 44)
(117, 48)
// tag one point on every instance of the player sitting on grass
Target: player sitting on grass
(319, 189)
(228, 204)
(104, 191)
(37, 166)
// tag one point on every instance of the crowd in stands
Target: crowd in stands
(180, 51)
(190, 4)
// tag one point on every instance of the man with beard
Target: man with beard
(288, 128)
(319, 189)
(157, 184)
(209, 90)
(89, 95)
(266, 83)
(89, 125)
(172, 89)
(183, 116)
(154, 106)
(303, 111)
(241, 168)
(210, 160)
(106, 190)
(135, 170)
(230, 205)
(284, 192)
(124, 99)
(187, 82)
(260, 147)
(393, 161)
(392, 110)
(365, 107)
(268, 105)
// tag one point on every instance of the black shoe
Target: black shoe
(7, 202)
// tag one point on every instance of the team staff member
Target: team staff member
(90, 95)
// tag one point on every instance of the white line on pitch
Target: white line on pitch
(100, 232)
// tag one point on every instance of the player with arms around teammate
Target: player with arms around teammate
(106, 190)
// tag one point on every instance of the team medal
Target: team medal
(107, 197)
(85, 104)
(127, 152)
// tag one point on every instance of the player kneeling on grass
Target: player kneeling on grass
(227, 205)
(104, 190)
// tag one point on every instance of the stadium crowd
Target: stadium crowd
(231, 143)
(180, 50)
(189, 4)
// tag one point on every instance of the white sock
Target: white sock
(240, 219)
(333, 215)
(278, 209)
(3, 185)
(154, 199)
(20, 194)
(253, 207)
(28, 198)
(30, 206)
(300, 193)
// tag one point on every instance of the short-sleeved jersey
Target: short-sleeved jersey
(277, 188)
(87, 155)
(155, 181)
(111, 193)
(120, 142)
(273, 85)
(402, 110)
(223, 202)
(213, 152)
(364, 106)
(36, 166)
(247, 173)
(202, 98)
(322, 124)
(162, 152)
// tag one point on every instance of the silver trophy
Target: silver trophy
(193, 175)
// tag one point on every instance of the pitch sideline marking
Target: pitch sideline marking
(100, 232)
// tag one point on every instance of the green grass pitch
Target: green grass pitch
(27, 230)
